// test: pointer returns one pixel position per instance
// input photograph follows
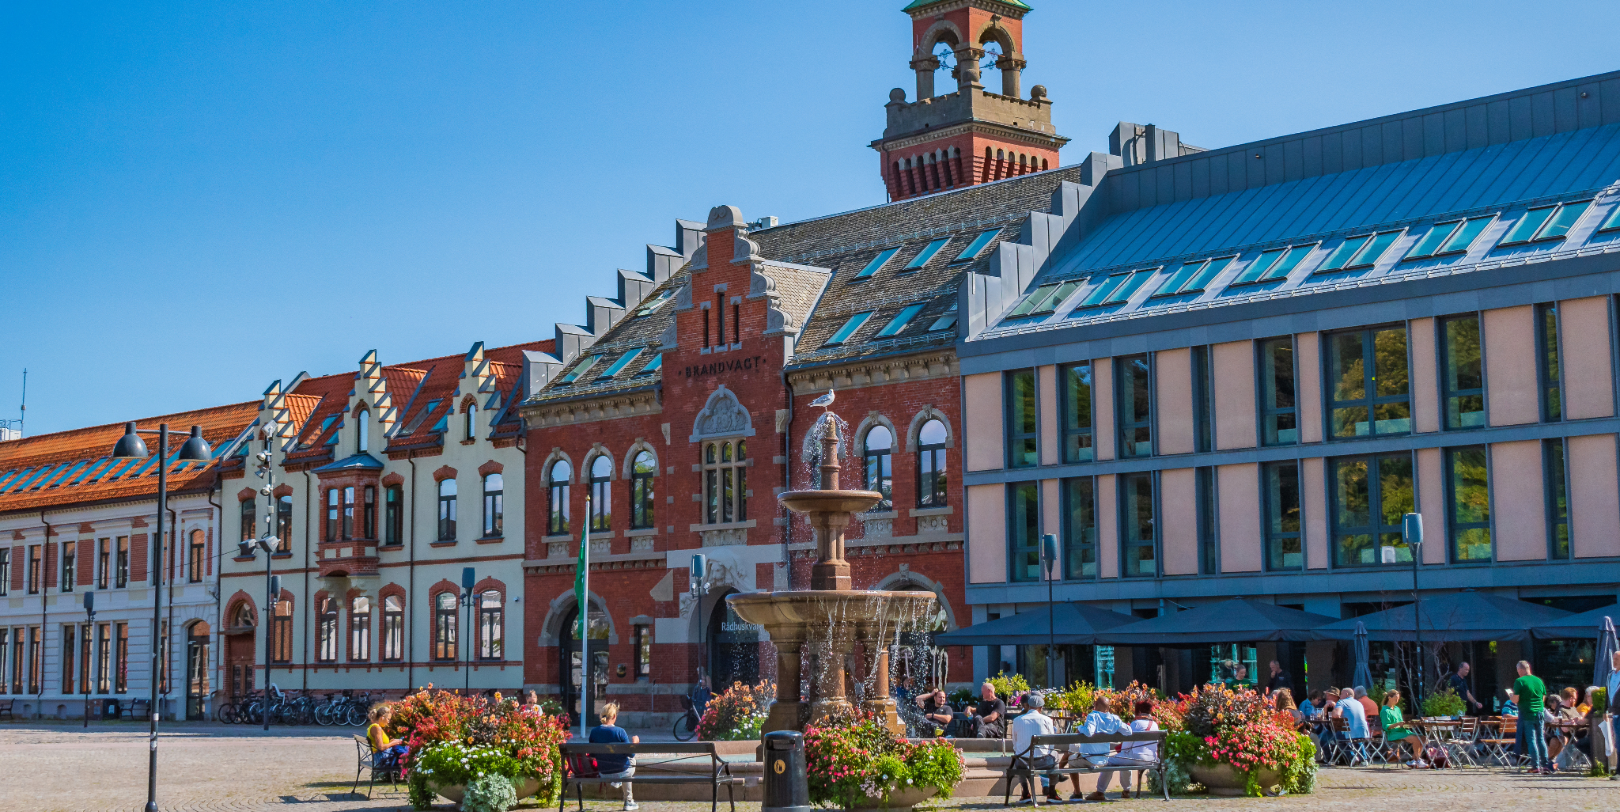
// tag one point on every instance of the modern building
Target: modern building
(389, 483)
(76, 523)
(1231, 372)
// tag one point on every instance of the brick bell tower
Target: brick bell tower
(972, 135)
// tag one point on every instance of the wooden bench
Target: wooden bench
(5, 708)
(655, 763)
(1021, 768)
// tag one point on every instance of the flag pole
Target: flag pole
(582, 583)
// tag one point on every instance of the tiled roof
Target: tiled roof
(642, 328)
(71, 467)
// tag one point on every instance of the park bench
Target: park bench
(5, 708)
(372, 762)
(1021, 769)
(655, 763)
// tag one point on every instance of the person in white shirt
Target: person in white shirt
(1355, 723)
(1100, 721)
(1133, 756)
(1035, 723)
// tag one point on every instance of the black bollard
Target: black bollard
(786, 788)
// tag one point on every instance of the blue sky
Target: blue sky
(197, 198)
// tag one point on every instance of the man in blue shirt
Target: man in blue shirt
(615, 766)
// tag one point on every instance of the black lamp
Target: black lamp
(129, 445)
(195, 449)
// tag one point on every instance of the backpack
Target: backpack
(1437, 757)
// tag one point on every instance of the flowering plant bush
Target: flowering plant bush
(851, 759)
(455, 739)
(1219, 725)
(1009, 686)
(738, 713)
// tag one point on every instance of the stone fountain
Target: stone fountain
(815, 631)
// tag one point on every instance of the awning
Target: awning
(1077, 625)
(1585, 624)
(1458, 617)
(1238, 620)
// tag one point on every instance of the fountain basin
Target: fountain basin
(830, 501)
(796, 609)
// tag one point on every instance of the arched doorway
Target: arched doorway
(568, 650)
(919, 664)
(197, 671)
(240, 636)
(733, 647)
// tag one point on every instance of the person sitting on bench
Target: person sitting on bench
(615, 766)
(988, 720)
(1101, 721)
(1133, 756)
(389, 751)
(935, 708)
(1035, 723)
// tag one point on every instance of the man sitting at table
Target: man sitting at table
(1355, 723)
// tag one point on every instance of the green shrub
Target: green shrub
(1008, 685)
(490, 792)
(1443, 703)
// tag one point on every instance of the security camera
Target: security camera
(265, 490)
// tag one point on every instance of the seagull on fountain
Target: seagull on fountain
(825, 401)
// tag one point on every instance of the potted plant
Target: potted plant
(1009, 686)
(738, 713)
(856, 763)
(484, 755)
(1233, 743)
(1443, 704)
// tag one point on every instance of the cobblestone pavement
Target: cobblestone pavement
(45, 768)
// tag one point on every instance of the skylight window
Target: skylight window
(877, 263)
(848, 329)
(579, 369)
(1193, 277)
(1116, 288)
(926, 254)
(1613, 223)
(946, 320)
(416, 422)
(1044, 299)
(978, 245)
(653, 366)
(618, 366)
(1450, 238)
(1546, 223)
(656, 302)
(1359, 252)
(900, 320)
(1273, 265)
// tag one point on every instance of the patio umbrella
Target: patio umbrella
(1584, 625)
(1457, 617)
(1238, 620)
(1077, 625)
(1607, 645)
(1363, 671)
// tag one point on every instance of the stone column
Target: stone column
(787, 713)
(925, 68)
(1011, 68)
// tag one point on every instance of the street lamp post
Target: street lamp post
(1048, 559)
(195, 449)
(90, 623)
(468, 579)
(1412, 530)
(269, 543)
(699, 589)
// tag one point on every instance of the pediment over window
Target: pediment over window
(722, 416)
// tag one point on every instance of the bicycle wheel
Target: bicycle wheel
(323, 714)
(225, 713)
(684, 729)
(357, 715)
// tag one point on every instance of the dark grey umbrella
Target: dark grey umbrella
(1456, 617)
(1363, 676)
(1585, 625)
(1238, 620)
(1077, 624)
(1607, 645)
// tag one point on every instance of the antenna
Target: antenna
(13, 429)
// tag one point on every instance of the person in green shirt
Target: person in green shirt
(1532, 694)
(1396, 733)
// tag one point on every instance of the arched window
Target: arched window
(284, 523)
(360, 629)
(242, 618)
(878, 454)
(725, 482)
(557, 498)
(602, 493)
(470, 422)
(393, 515)
(393, 629)
(447, 509)
(931, 481)
(642, 491)
(494, 511)
(362, 431)
(245, 510)
(281, 632)
(326, 632)
(491, 626)
(196, 557)
(444, 626)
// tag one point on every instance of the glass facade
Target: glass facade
(1024, 531)
(1022, 448)
(1077, 415)
(1284, 545)
(1134, 382)
(1549, 366)
(1462, 377)
(1369, 496)
(1079, 528)
(1279, 407)
(1468, 503)
(1139, 532)
(1368, 387)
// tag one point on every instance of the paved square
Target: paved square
(46, 768)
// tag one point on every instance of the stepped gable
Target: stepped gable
(75, 466)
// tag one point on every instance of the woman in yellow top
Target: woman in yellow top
(1395, 732)
(391, 750)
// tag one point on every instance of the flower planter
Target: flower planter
(898, 799)
(455, 792)
(1223, 780)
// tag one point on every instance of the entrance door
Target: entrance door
(733, 648)
(239, 653)
(197, 672)
(574, 698)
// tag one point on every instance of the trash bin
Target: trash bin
(786, 789)
(109, 709)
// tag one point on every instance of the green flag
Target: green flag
(582, 591)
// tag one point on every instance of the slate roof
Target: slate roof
(68, 467)
(1411, 178)
(843, 243)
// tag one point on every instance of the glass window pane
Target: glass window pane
(900, 321)
(1430, 243)
(1374, 250)
(653, 365)
(848, 329)
(1024, 532)
(1277, 392)
(978, 245)
(1077, 419)
(1389, 359)
(1179, 278)
(1613, 222)
(877, 263)
(926, 254)
(1080, 529)
(1568, 215)
(1527, 226)
(1123, 293)
(1033, 300)
(1470, 501)
(1104, 287)
(1021, 429)
(1056, 299)
(1464, 236)
(618, 366)
(1207, 274)
(1341, 255)
(1461, 375)
(1258, 267)
(1288, 263)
